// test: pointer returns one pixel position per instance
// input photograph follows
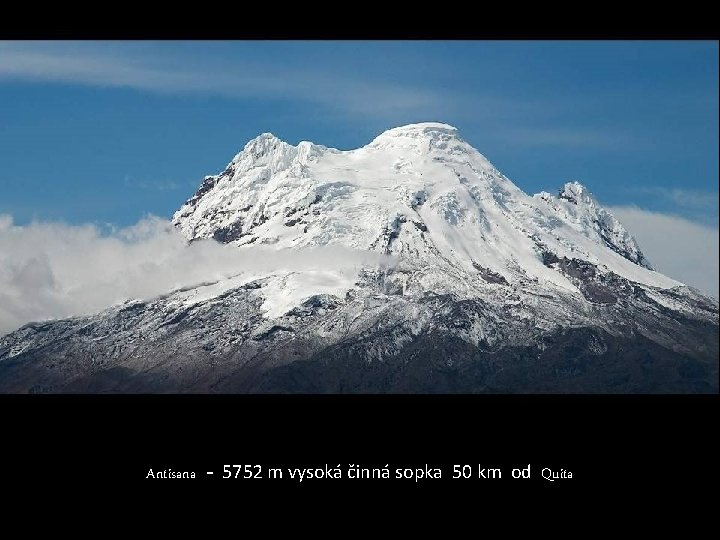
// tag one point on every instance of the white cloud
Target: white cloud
(54, 270)
(107, 65)
(677, 247)
(157, 184)
(571, 137)
(693, 200)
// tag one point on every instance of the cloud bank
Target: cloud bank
(54, 270)
(677, 247)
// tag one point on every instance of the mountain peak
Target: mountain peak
(420, 128)
(260, 146)
(578, 206)
(412, 135)
(575, 192)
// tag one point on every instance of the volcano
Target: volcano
(466, 285)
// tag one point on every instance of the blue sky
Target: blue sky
(107, 132)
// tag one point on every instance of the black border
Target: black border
(495, 20)
(649, 444)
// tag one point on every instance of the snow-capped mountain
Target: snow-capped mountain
(473, 286)
(418, 192)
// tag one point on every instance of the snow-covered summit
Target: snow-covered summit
(419, 128)
(416, 135)
(423, 195)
